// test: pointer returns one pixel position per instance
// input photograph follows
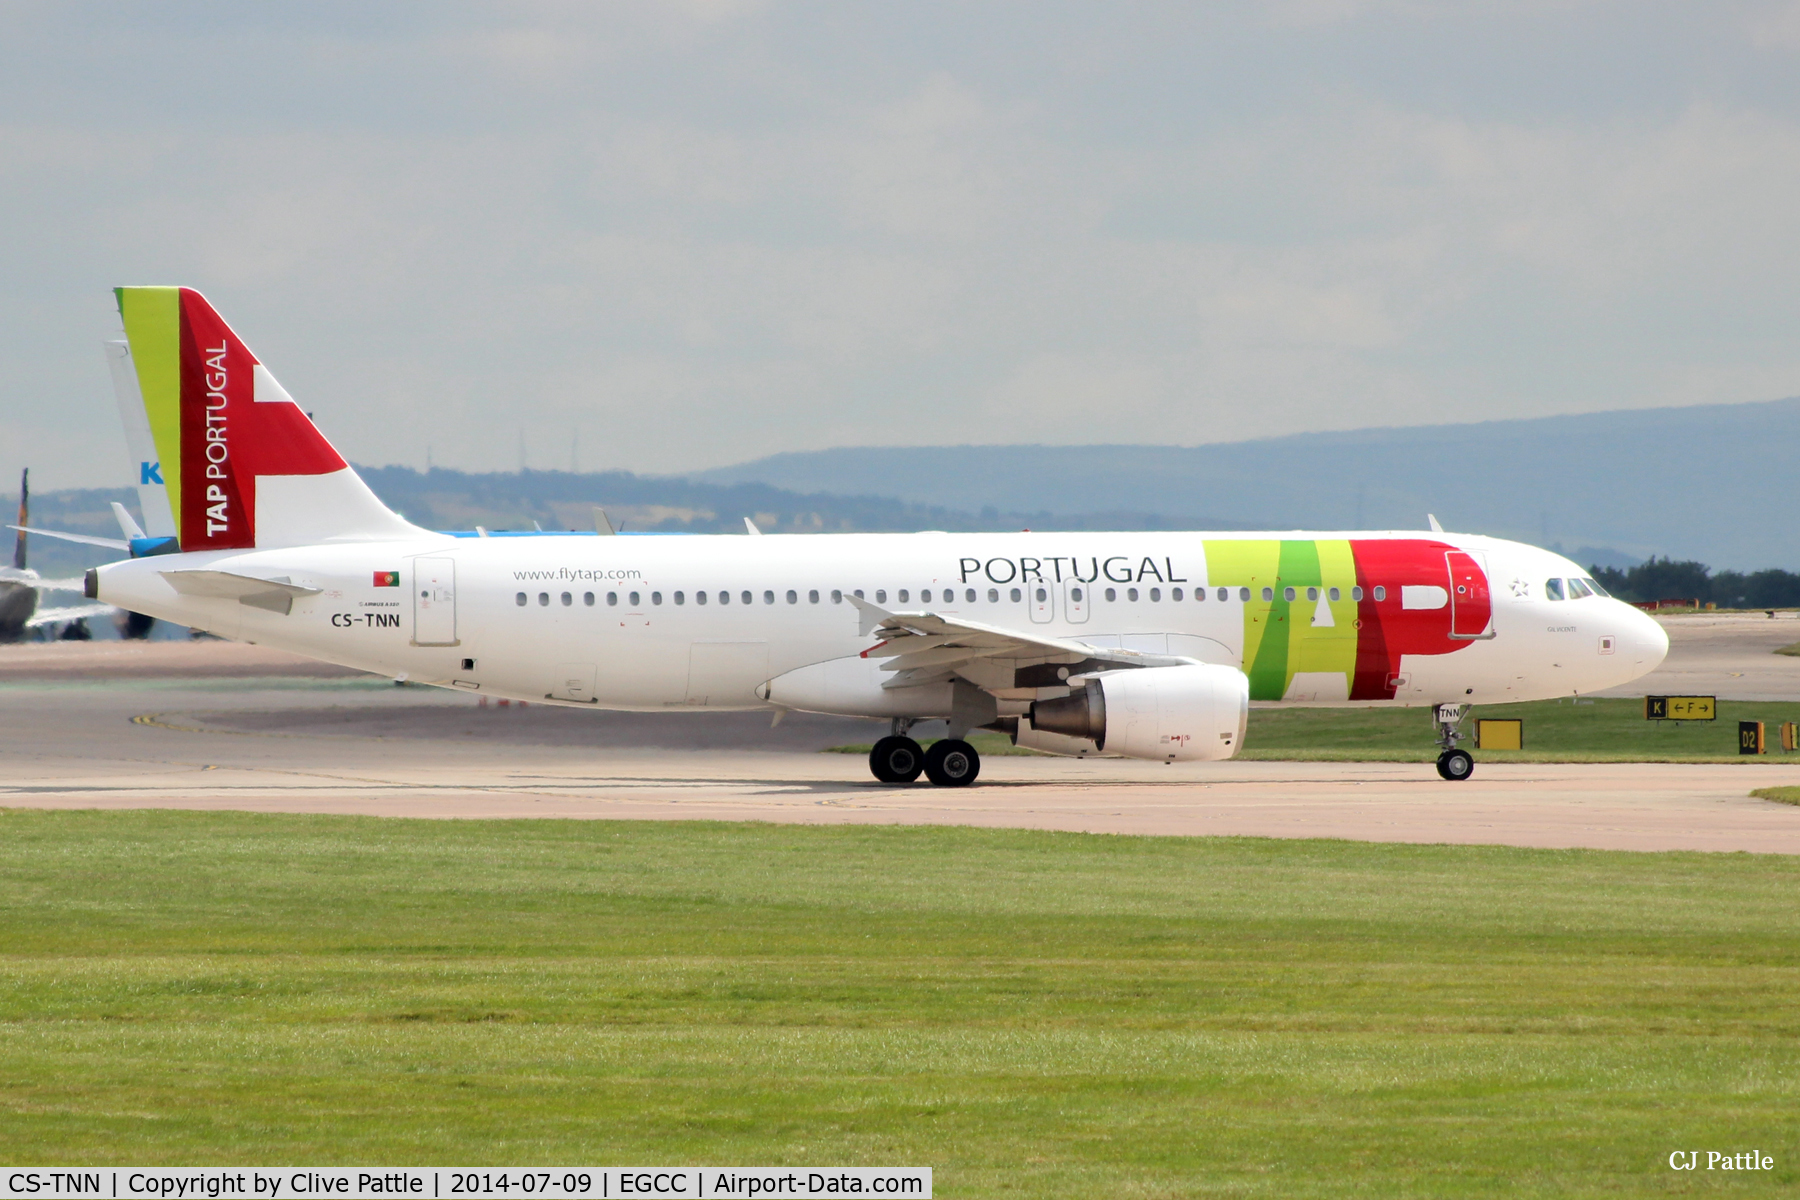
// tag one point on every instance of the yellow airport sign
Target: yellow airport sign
(1681, 708)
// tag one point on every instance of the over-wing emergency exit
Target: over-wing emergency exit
(1148, 645)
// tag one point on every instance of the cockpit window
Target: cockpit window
(1578, 588)
(1594, 587)
(1553, 589)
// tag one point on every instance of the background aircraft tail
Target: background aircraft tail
(24, 519)
(224, 458)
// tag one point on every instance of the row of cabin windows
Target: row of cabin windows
(970, 596)
(1243, 593)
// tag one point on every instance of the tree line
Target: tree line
(1666, 579)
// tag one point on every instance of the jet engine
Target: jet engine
(1171, 714)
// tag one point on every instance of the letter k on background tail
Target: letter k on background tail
(242, 465)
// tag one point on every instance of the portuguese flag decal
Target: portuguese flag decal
(387, 579)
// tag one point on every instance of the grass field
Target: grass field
(1591, 731)
(1029, 1013)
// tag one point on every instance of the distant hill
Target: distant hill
(1716, 483)
(441, 499)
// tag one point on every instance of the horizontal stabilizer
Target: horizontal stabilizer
(75, 612)
(84, 539)
(274, 595)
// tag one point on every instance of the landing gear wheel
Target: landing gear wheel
(1455, 764)
(896, 760)
(952, 763)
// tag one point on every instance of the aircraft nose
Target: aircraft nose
(1649, 640)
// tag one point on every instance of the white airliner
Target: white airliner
(1147, 645)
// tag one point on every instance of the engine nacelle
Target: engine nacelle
(1171, 714)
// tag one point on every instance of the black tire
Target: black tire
(896, 760)
(952, 763)
(1455, 765)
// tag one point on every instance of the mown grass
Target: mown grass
(1781, 795)
(1603, 730)
(1028, 1013)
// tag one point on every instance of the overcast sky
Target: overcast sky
(696, 234)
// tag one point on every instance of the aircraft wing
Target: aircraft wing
(923, 647)
(74, 612)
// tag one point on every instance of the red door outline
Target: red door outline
(1470, 606)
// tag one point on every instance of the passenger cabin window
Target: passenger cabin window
(746, 598)
(520, 600)
(1313, 594)
(680, 597)
(1287, 594)
(1131, 594)
(1111, 594)
(1380, 592)
(1553, 589)
(656, 597)
(1174, 593)
(812, 597)
(1333, 594)
(793, 597)
(1356, 593)
(1243, 593)
(903, 595)
(768, 597)
(837, 597)
(612, 599)
(587, 598)
(543, 599)
(969, 596)
(1156, 594)
(1268, 593)
(567, 600)
(994, 595)
(1017, 595)
(881, 595)
(699, 597)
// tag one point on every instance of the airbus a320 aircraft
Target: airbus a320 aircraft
(1147, 645)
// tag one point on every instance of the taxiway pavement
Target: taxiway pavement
(317, 740)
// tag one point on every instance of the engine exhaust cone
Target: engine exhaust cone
(1080, 714)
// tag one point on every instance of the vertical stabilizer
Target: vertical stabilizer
(146, 463)
(24, 518)
(237, 463)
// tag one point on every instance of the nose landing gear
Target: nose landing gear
(1452, 763)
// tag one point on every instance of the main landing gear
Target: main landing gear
(896, 758)
(1452, 763)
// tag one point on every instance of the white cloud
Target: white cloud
(720, 231)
